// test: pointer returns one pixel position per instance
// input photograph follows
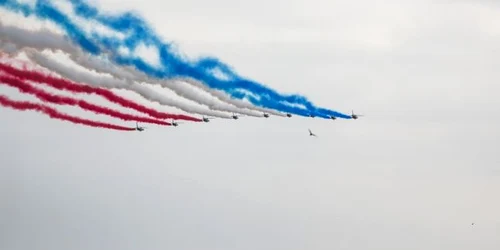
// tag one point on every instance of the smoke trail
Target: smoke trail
(177, 90)
(178, 86)
(139, 32)
(175, 85)
(109, 82)
(63, 84)
(53, 113)
(238, 105)
(57, 99)
(173, 65)
(225, 98)
(40, 39)
(45, 39)
(7, 47)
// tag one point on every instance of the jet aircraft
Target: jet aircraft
(139, 128)
(236, 116)
(175, 124)
(355, 116)
(311, 133)
(207, 119)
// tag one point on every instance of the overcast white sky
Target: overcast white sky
(414, 173)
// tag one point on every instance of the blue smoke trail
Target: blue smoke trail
(173, 66)
(130, 22)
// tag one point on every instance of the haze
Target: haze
(414, 173)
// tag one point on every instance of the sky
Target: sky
(414, 173)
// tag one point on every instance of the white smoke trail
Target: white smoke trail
(40, 39)
(229, 104)
(176, 85)
(8, 48)
(225, 98)
(179, 86)
(220, 95)
(110, 82)
(45, 39)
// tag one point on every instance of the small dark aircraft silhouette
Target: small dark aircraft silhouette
(175, 124)
(207, 119)
(236, 116)
(354, 116)
(312, 134)
(139, 128)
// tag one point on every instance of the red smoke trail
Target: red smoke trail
(57, 99)
(53, 113)
(64, 84)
